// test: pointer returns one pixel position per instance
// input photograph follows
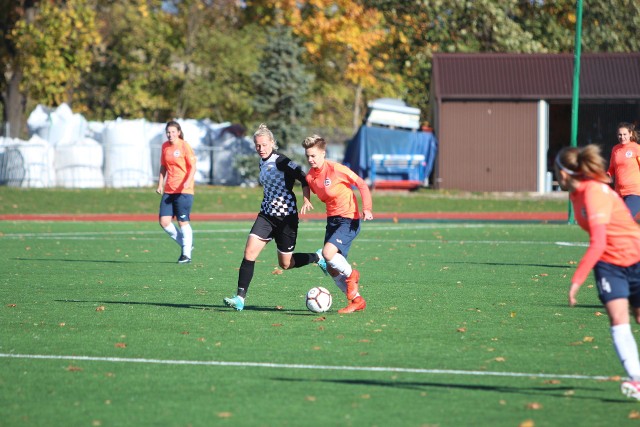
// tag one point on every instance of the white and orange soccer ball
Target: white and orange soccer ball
(319, 299)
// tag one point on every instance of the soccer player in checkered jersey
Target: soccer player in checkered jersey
(176, 185)
(613, 253)
(278, 216)
(332, 183)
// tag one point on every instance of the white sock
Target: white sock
(173, 232)
(340, 263)
(187, 239)
(341, 282)
(625, 345)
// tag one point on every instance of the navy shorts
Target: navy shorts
(282, 229)
(633, 203)
(340, 232)
(177, 205)
(618, 282)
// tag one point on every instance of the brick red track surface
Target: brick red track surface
(425, 216)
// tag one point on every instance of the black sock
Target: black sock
(300, 259)
(244, 277)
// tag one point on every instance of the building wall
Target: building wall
(487, 146)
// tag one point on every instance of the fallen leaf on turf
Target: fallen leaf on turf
(201, 339)
(120, 345)
(569, 392)
(11, 305)
(544, 275)
(534, 405)
(100, 308)
(225, 414)
(185, 332)
(597, 313)
(634, 415)
(587, 339)
(276, 325)
(61, 324)
(310, 398)
(279, 307)
(500, 359)
(317, 347)
(513, 314)
(366, 396)
(461, 329)
(72, 368)
(364, 340)
(527, 423)
(320, 319)
(551, 382)
(277, 271)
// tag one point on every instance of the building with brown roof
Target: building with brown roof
(501, 118)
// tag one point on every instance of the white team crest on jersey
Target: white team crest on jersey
(628, 154)
(176, 153)
(327, 182)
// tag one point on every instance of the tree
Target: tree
(12, 100)
(282, 87)
(55, 48)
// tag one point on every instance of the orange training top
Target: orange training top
(179, 160)
(332, 184)
(624, 167)
(596, 205)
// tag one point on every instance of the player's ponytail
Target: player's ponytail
(583, 163)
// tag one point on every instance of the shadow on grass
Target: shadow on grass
(519, 264)
(108, 261)
(216, 307)
(554, 391)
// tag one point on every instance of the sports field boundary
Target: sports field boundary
(249, 216)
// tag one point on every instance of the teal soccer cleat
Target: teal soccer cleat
(321, 262)
(235, 302)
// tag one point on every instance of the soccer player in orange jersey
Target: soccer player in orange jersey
(624, 166)
(176, 184)
(613, 253)
(332, 183)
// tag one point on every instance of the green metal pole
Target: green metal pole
(575, 100)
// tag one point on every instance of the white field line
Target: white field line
(300, 366)
(144, 235)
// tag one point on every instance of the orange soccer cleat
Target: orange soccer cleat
(357, 304)
(352, 284)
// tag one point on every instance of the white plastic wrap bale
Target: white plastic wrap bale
(79, 164)
(59, 125)
(127, 156)
(27, 164)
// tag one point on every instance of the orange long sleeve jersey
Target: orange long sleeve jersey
(596, 205)
(332, 184)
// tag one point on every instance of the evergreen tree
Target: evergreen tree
(282, 87)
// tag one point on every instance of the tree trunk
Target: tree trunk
(14, 106)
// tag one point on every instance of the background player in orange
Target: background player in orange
(176, 184)
(278, 216)
(624, 166)
(332, 183)
(613, 253)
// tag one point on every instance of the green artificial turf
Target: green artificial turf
(466, 324)
(210, 199)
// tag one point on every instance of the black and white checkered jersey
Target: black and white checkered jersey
(278, 174)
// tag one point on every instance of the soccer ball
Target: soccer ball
(319, 299)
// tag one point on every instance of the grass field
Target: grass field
(466, 325)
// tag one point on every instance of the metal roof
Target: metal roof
(484, 76)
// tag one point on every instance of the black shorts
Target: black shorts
(282, 229)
